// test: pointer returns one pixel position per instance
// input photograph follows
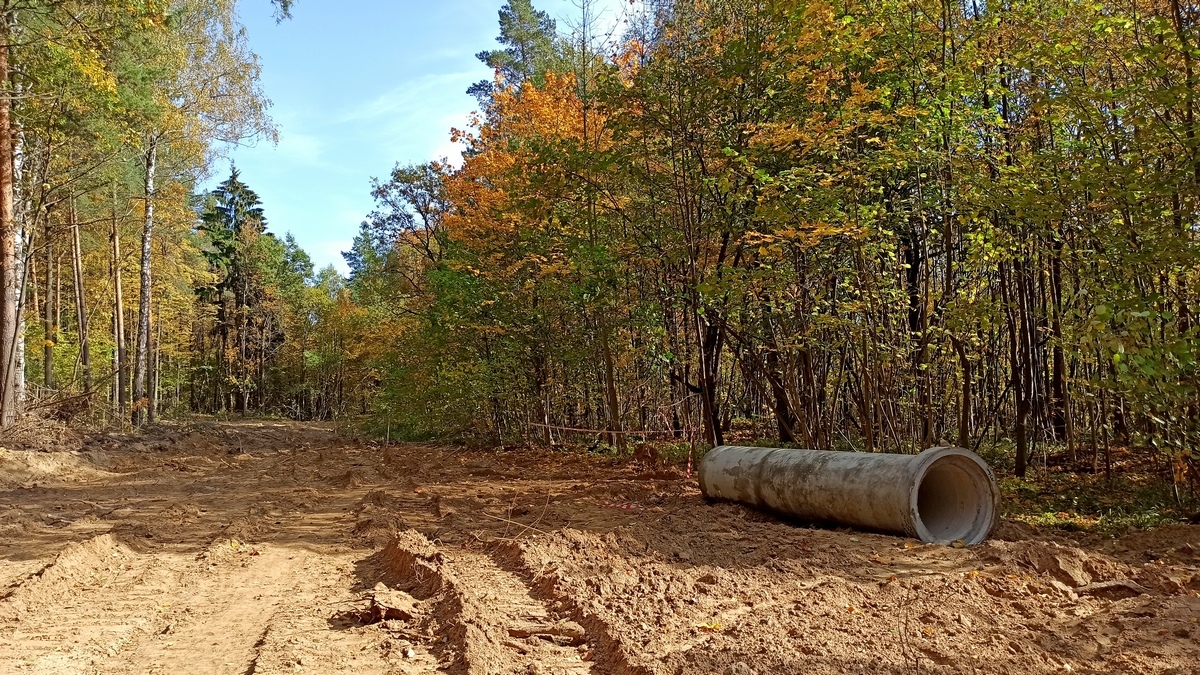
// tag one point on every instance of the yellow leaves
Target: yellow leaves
(1181, 467)
(85, 64)
(803, 235)
(810, 234)
(712, 627)
(552, 110)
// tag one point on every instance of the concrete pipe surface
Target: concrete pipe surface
(939, 496)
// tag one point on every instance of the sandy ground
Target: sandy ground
(262, 547)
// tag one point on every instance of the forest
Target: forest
(742, 337)
(873, 225)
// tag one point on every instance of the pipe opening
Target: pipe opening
(954, 501)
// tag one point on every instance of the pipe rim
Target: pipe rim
(979, 473)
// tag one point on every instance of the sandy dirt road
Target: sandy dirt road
(272, 547)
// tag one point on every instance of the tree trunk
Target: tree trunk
(24, 281)
(81, 317)
(220, 340)
(152, 375)
(243, 332)
(613, 403)
(9, 306)
(1064, 426)
(964, 410)
(48, 337)
(709, 339)
(260, 368)
(122, 372)
(24, 249)
(141, 359)
(785, 421)
(1017, 356)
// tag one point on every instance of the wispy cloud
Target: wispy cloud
(299, 148)
(411, 98)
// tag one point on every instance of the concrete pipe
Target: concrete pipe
(939, 496)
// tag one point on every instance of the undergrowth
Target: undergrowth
(1058, 495)
(1090, 502)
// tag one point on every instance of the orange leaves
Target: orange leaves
(628, 61)
(517, 173)
(552, 111)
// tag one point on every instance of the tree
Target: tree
(86, 73)
(529, 38)
(208, 92)
(233, 223)
(876, 226)
(59, 78)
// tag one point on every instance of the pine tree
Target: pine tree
(529, 38)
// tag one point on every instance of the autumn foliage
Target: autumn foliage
(870, 225)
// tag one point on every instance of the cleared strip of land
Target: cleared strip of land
(261, 547)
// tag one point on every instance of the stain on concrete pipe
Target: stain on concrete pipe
(940, 496)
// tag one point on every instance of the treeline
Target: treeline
(116, 274)
(878, 224)
(270, 334)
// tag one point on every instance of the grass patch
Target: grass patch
(1075, 502)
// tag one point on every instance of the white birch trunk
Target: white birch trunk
(141, 359)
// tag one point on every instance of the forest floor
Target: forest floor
(275, 547)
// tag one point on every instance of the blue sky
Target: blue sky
(358, 86)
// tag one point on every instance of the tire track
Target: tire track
(220, 617)
(310, 631)
(488, 615)
(85, 606)
(609, 653)
(102, 607)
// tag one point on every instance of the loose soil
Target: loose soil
(271, 547)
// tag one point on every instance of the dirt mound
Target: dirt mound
(348, 479)
(224, 551)
(14, 523)
(818, 611)
(246, 528)
(410, 562)
(1075, 571)
(492, 621)
(612, 653)
(92, 562)
(30, 467)
(377, 519)
(1068, 565)
(1177, 543)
